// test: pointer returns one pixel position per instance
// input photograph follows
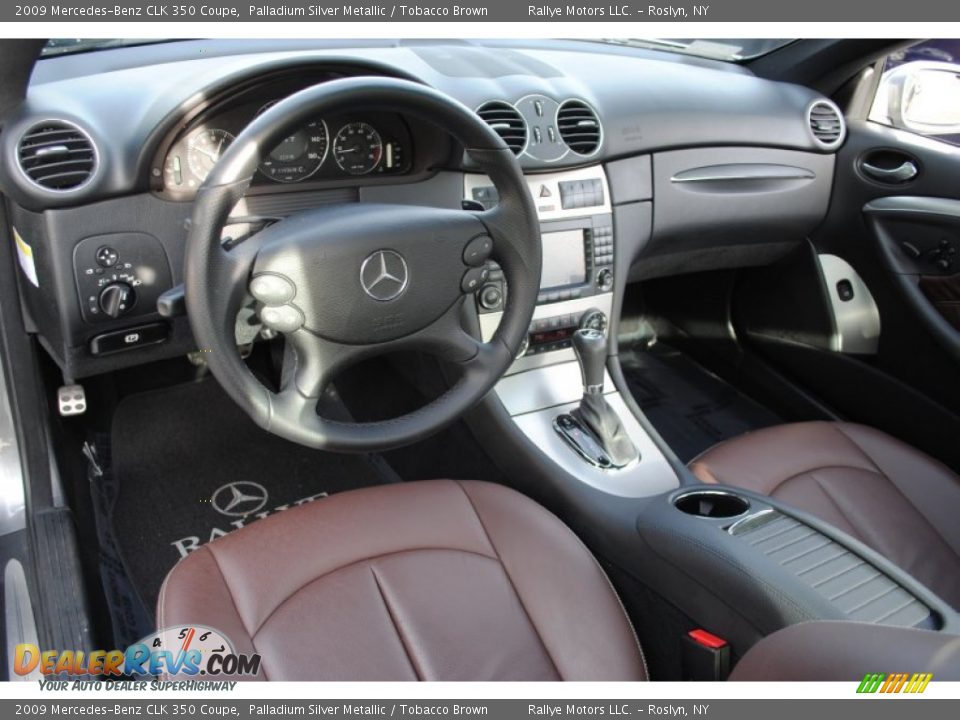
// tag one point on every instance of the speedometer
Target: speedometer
(358, 148)
(299, 156)
(205, 149)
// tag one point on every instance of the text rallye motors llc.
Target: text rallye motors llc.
(616, 11)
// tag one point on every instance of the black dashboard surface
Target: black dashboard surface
(646, 101)
(708, 165)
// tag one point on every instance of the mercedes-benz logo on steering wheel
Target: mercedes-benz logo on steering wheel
(384, 275)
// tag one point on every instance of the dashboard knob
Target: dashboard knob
(117, 299)
(593, 319)
(490, 297)
(605, 279)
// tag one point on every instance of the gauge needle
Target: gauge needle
(210, 153)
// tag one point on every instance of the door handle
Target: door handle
(905, 172)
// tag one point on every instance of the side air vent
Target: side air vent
(579, 127)
(56, 155)
(826, 124)
(507, 122)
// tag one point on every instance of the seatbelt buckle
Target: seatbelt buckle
(705, 656)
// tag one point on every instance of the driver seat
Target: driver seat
(433, 580)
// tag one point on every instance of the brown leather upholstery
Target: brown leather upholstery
(834, 651)
(435, 580)
(893, 498)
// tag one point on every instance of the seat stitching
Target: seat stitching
(811, 470)
(506, 574)
(857, 529)
(900, 492)
(233, 601)
(408, 651)
(358, 562)
(626, 616)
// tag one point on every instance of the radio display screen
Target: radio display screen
(564, 261)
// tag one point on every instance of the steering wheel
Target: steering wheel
(347, 282)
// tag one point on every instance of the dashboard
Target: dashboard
(641, 164)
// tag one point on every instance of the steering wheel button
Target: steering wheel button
(285, 319)
(472, 279)
(272, 289)
(477, 251)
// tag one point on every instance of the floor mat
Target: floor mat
(189, 466)
(690, 407)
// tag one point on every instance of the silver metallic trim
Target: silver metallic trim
(399, 277)
(843, 124)
(12, 497)
(19, 622)
(905, 172)
(549, 208)
(94, 171)
(712, 493)
(650, 475)
(490, 321)
(751, 520)
(544, 387)
(580, 451)
(738, 172)
(526, 150)
(857, 320)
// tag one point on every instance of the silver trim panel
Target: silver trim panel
(544, 387)
(548, 208)
(490, 321)
(651, 475)
(19, 622)
(858, 319)
(12, 499)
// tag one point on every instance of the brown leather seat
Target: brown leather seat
(435, 580)
(888, 495)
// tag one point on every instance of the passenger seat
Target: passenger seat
(887, 494)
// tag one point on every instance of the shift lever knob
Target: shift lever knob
(591, 348)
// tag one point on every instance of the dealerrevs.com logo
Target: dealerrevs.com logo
(186, 651)
(912, 683)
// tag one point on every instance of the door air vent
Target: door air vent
(579, 127)
(506, 122)
(826, 124)
(57, 155)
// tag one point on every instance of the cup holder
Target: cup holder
(711, 504)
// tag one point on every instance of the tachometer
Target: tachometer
(204, 149)
(358, 148)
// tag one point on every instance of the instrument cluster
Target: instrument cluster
(323, 149)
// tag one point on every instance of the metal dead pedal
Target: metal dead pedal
(72, 400)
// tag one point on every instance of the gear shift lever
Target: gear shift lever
(590, 347)
(595, 414)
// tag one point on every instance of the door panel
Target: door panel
(911, 386)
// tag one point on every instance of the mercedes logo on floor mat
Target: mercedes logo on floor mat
(239, 499)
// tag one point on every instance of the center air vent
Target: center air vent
(56, 155)
(507, 122)
(826, 124)
(579, 127)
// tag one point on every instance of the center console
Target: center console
(584, 426)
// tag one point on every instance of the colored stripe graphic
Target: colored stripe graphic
(894, 683)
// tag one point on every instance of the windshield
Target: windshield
(66, 46)
(719, 49)
(733, 50)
